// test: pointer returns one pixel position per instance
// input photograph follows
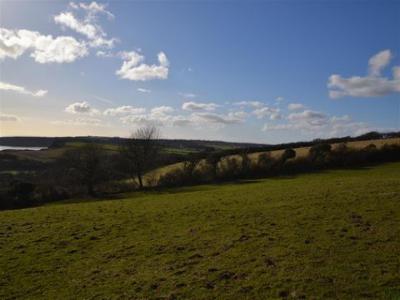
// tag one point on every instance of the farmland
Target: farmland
(300, 152)
(333, 234)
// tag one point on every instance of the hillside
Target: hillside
(300, 152)
(320, 236)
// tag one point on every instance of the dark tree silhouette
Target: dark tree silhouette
(287, 154)
(320, 152)
(84, 165)
(140, 152)
(213, 160)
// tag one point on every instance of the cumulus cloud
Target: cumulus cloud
(295, 106)
(266, 111)
(88, 26)
(372, 85)
(312, 118)
(92, 9)
(21, 90)
(124, 110)
(81, 108)
(197, 106)
(379, 61)
(162, 110)
(104, 54)
(320, 124)
(134, 69)
(160, 115)
(43, 48)
(8, 118)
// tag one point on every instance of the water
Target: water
(21, 148)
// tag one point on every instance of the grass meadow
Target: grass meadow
(325, 235)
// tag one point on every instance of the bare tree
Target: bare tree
(140, 151)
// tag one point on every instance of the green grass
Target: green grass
(319, 236)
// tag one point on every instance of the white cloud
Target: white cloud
(205, 117)
(133, 69)
(181, 121)
(142, 90)
(19, 89)
(160, 115)
(124, 110)
(372, 85)
(279, 99)
(162, 110)
(93, 9)
(379, 61)
(104, 54)
(317, 124)
(163, 116)
(197, 106)
(309, 117)
(295, 106)
(44, 48)
(67, 19)
(81, 108)
(265, 111)
(89, 26)
(8, 118)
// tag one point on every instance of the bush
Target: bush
(319, 154)
(230, 168)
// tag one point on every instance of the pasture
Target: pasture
(325, 235)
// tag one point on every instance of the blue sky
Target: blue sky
(259, 71)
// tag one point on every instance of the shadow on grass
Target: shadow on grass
(207, 186)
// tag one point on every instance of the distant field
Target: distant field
(332, 235)
(300, 152)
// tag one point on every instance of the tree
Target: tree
(213, 160)
(84, 165)
(140, 152)
(264, 161)
(189, 167)
(246, 163)
(320, 152)
(287, 154)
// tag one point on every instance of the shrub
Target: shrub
(288, 154)
(230, 168)
(319, 154)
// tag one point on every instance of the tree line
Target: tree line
(91, 170)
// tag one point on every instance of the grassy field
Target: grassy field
(320, 236)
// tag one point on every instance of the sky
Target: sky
(245, 71)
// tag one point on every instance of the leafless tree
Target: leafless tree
(140, 151)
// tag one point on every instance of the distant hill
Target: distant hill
(189, 145)
(24, 141)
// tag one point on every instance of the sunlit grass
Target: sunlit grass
(321, 236)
